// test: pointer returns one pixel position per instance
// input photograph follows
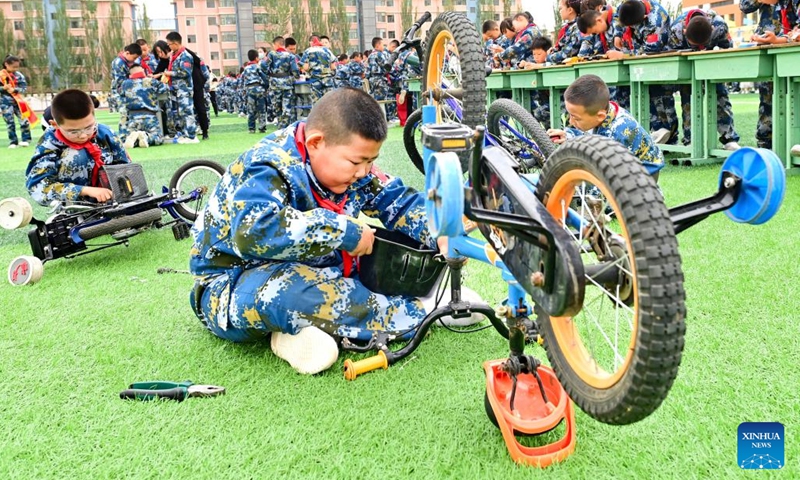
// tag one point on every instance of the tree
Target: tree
(300, 30)
(557, 17)
(92, 63)
(339, 26)
(111, 42)
(448, 5)
(37, 61)
(7, 46)
(507, 4)
(406, 15)
(145, 31)
(68, 69)
(319, 24)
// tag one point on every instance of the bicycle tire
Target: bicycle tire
(410, 139)
(504, 107)
(656, 291)
(136, 220)
(457, 27)
(190, 215)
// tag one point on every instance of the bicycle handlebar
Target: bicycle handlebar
(408, 38)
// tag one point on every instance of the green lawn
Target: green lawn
(96, 323)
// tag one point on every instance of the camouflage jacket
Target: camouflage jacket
(142, 93)
(254, 76)
(568, 44)
(21, 87)
(181, 64)
(650, 36)
(355, 70)
(778, 18)
(280, 63)
(521, 49)
(378, 64)
(120, 71)
(319, 61)
(720, 37)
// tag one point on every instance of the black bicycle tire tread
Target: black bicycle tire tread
(473, 73)
(505, 107)
(173, 182)
(659, 346)
(410, 141)
(121, 223)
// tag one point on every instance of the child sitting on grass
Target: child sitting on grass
(67, 160)
(140, 96)
(275, 246)
(591, 112)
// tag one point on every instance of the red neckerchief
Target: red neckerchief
(145, 65)
(627, 37)
(251, 63)
(8, 78)
(518, 35)
(89, 146)
(787, 27)
(281, 49)
(315, 42)
(349, 263)
(562, 32)
(137, 75)
(172, 58)
(604, 41)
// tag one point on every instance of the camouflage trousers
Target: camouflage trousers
(725, 128)
(662, 110)
(764, 129)
(281, 102)
(319, 87)
(9, 110)
(122, 128)
(183, 106)
(147, 123)
(256, 108)
(245, 305)
(380, 90)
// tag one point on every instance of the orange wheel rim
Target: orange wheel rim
(435, 60)
(565, 329)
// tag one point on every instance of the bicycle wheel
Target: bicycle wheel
(412, 139)
(191, 175)
(618, 357)
(519, 133)
(453, 41)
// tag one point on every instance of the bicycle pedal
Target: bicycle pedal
(181, 231)
(447, 137)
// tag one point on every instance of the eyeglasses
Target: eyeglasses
(82, 131)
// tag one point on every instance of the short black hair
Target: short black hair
(252, 54)
(342, 57)
(278, 40)
(174, 37)
(332, 115)
(134, 48)
(161, 45)
(587, 20)
(699, 30)
(376, 41)
(324, 37)
(631, 12)
(367, 52)
(542, 42)
(488, 25)
(527, 16)
(575, 5)
(592, 4)
(71, 104)
(355, 55)
(395, 42)
(95, 101)
(589, 92)
(10, 59)
(289, 41)
(506, 25)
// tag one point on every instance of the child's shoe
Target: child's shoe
(185, 140)
(143, 141)
(795, 151)
(310, 351)
(731, 146)
(23, 144)
(661, 135)
(130, 140)
(12, 146)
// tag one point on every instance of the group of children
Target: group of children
(264, 89)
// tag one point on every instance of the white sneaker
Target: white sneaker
(310, 351)
(166, 138)
(12, 146)
(661, 135)
(795, 152)
(467, 294)
(143, 142)
(184, 140)
(731, 146)
(130, 140)
(23, 144)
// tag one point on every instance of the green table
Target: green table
(787, 72)
(523, 83)
(718, 66)
(556, 79)
(495, 83)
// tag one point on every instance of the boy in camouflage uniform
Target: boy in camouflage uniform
(140, 96)
(256, 83)
(318, 61)
(12, 81)
(355, 70)
(699, 30)
(179, 73)
(569, 40)
(120, 71)
(275, 246)
(66, 163)
(340, 78)
(521, 47)
(378, 67)
(282, 68)
(775, 21)
(591, 112)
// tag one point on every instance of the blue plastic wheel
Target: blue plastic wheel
(444, 189)
(763, 184)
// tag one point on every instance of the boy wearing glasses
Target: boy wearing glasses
(67, 161)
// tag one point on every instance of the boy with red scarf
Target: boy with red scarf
(67, 161)
(522, 47)
(12, 82)
(179, 74)
(120, 71)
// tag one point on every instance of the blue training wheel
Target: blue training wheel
(444, 189)
(763, 184)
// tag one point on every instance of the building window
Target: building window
(191, 38)
(391, 33)
(73, 5)
(461, 2)
(350, 3)
(214, 55)
(229, 37)
(260, 19)
(188, 3)
(18, 24)
(262, 36)
(77, 41)
(354, 34)
(227, 3)
(16, 6)
(75, 23)
(213, 38)
(390, 18)
(230, 54)
(390, 3)
(227, 19)
(210, 4)
(497, 4)
(721, 4)
(496, 17)
(380, 17)
(352, 18)
(427, 3)
(212, 21)
(190, 21)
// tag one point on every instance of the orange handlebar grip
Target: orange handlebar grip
(354, 369)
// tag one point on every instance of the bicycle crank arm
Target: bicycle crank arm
(533, 245)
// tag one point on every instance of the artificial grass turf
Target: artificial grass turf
(98, 322)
